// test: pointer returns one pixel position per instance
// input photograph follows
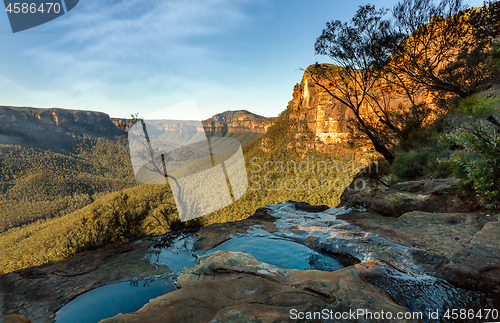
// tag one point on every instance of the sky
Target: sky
(124, 57)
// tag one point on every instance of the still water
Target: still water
(109, 300)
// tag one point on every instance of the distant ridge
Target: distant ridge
(56, 128)
(235, 121)
(52, 128)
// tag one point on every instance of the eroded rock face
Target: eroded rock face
(235, 287)
(322, 114)
(462, 248)
(240, 121)
(20, 120)
(454, 235)
(52, 128)
(328, 118)
(397, 264)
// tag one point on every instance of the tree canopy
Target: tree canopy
(426, 50)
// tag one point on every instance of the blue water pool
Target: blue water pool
(127, 297)
(282, 253)
(176, 254)
(110, 300)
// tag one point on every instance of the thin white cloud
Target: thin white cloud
(113, 31)
(139, 47)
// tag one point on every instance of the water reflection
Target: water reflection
(110, 300)
(281, 253)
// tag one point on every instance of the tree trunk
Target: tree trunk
(378, 144)
(494, 122)
(380, 147)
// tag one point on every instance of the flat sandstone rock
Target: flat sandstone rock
(235, 287)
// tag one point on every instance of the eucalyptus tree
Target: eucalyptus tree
(359, 49)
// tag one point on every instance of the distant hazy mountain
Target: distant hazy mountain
(239, 121)
(52, 128)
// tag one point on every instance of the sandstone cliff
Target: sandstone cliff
(239, 121)
(328, 119)
(323, 116)
(51, 128)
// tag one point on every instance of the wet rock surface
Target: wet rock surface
(38, 292)
(235, 287)
(462, 248)
(435, 217)
(398, 264)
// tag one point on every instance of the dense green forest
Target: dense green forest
(38, 184)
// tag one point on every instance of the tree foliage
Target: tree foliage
(445, 46)
(475, 129)
(121, 220)
(38, 184)
(388, 70)
(358, 49)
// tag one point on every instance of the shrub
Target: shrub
(438, 163)
(493, 63)
(476, 130)
(410, 165)
(379, 171)
(121, 220)
(170, 219)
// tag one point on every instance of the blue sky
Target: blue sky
(139, 56)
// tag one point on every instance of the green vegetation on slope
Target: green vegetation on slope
(244, 137)
(39, 184)
(151, 209)
(464, 143)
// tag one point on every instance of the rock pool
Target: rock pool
(109, 300)
(302, 240)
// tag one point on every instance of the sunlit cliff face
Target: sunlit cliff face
(327, 118)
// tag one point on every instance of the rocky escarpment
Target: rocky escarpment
(52, 128)
(240, 121)
(237, 122)
(325, 116)
(314, 110)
